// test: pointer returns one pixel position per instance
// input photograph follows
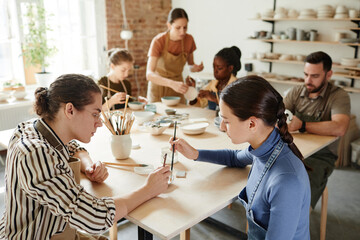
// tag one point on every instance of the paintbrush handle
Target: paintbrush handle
(110, 89)
(125, 164)
(173, 148)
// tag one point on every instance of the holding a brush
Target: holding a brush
(40, 183)
(277, 195)
(121, 64)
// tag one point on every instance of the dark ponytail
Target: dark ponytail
(254, 96)
(283, 130)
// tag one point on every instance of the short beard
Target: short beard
(318, 89)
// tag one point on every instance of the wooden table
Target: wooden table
(206, 189)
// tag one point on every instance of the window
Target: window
(74, 33)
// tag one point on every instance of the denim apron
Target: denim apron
(255, 231)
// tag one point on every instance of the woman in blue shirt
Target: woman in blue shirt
(277, 194)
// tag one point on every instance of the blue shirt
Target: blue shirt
(281, 204)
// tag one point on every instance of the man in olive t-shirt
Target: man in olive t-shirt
(319, 107)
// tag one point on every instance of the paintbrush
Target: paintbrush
(165, 155)
(115, 91)
(126, 164)
(173, 150)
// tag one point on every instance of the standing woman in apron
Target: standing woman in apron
(169, 51)
(277, 194)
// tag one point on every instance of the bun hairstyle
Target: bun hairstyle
(119, 55)
(254, 96)
(176, 13)
(232, 57)
(69, 88)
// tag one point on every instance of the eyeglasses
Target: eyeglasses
(96, 116)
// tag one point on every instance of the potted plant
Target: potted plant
(36, 48)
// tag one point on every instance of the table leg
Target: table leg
(185, 235)
(113, 232)
(144, 235)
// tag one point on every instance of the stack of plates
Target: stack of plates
(350, 62)
(268, 13)
(341, 12)
(307, 13)
(325, 11)
(280, 13)
(292, 13)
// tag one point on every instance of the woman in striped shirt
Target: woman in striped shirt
(42, 196)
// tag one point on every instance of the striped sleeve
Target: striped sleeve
(73, 147)
(48, 179)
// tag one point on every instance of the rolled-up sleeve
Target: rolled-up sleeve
(48, 179)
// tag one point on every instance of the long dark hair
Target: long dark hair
(69, 88)
(254, 96)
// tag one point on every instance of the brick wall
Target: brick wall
(146, 18)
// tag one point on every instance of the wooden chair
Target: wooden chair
(323, 214)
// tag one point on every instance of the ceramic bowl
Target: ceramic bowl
(170, 100)
(170, 111)
(19, 94)
(156, 128)
(136, 105)
(194, 128)
(191, 94)
(143, 116)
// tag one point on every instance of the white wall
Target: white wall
(218, 24)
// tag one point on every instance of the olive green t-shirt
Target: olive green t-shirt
(318, 109)
(315, 110)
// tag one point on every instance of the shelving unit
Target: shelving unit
(354, 45)
(307, 42)
(274, 80)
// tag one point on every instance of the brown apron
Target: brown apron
(168, 66)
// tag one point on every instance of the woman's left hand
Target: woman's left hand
(97, 172)
(143, 99)
(197, 68)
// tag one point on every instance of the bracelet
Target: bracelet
(303, 127)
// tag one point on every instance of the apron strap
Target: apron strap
(274, 155)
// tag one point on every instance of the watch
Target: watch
(303, 127)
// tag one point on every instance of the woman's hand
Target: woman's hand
(117, 98)
(208, 95)
(97, 172)
(184, 148)
(179, 87)
(157, 181)
(143, 99)
(190, 82)
(197, 68)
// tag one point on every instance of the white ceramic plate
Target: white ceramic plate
(194, 128)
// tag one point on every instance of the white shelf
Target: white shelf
(306, 19)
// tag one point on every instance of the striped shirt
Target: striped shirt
(41, 193)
